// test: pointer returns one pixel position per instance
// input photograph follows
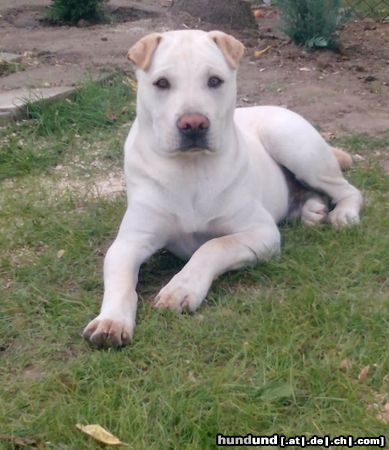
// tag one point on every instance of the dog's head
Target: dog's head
(186, 87)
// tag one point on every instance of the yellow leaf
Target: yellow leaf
(259, 53)
(363, 373)
(345, 364)
(110, 115)
(133, 83)
(99, 434)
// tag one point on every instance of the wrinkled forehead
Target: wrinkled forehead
(191, 51)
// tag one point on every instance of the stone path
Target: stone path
(47, 63)
(13, 101)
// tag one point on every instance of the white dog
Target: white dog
(207, 181)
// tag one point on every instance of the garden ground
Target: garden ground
(345, 92)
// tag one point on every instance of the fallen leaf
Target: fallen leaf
(258, 13)
(259, 53)
(110, 115)
(133, 83)
(20, 441)
(192, 377)
(383, 416)
(60, 253)
(274, 391)
(304, 69)
(98, 433)
(345, 364)
(363, 373)
(328, 135)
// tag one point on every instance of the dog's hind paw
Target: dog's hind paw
(180, 294)
(342, 217)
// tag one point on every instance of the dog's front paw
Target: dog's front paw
(105, 332)
(181, 294)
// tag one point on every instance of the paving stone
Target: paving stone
(12, 103)
(10, 57)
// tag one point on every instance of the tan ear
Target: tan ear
(141, 52)
(231, 48)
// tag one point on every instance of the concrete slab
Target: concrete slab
(10, 57)
(13, 102)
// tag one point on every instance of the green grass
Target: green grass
(261, 356)
(6, 68)
(54, 131)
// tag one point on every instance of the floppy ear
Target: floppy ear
(141, 52)
(231, 48)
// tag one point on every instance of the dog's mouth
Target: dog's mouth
(194, 144)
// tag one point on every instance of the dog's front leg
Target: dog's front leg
(115, 324)
(189, 287)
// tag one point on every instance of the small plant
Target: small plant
(313, 23)
(6, 68)
(72, 11)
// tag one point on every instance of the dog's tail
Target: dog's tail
(344, 159)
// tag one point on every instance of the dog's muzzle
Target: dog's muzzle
(193, 129)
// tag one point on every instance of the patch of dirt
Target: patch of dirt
(29, 17)
(34, 16)
(32, 373)
(236, 13)
(107, 186)
(342, 93)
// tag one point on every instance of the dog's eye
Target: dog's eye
(215, 82)
(162, 83)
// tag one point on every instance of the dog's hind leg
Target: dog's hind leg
(295, 144)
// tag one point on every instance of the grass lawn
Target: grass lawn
(274, 349)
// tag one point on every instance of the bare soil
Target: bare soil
(346, 92)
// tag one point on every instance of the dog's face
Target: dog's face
(186, 88)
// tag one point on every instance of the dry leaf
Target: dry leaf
(259, 53)
(133, 83)
(192, 377)
(20, 441)
(99, 434)
(60, 253)
(383, 416)
(363, 373)
(345, 364)
(304, 69)
(110, 115)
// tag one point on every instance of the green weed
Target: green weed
(312, 23)
(72, 11)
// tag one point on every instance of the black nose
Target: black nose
(193, 125)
